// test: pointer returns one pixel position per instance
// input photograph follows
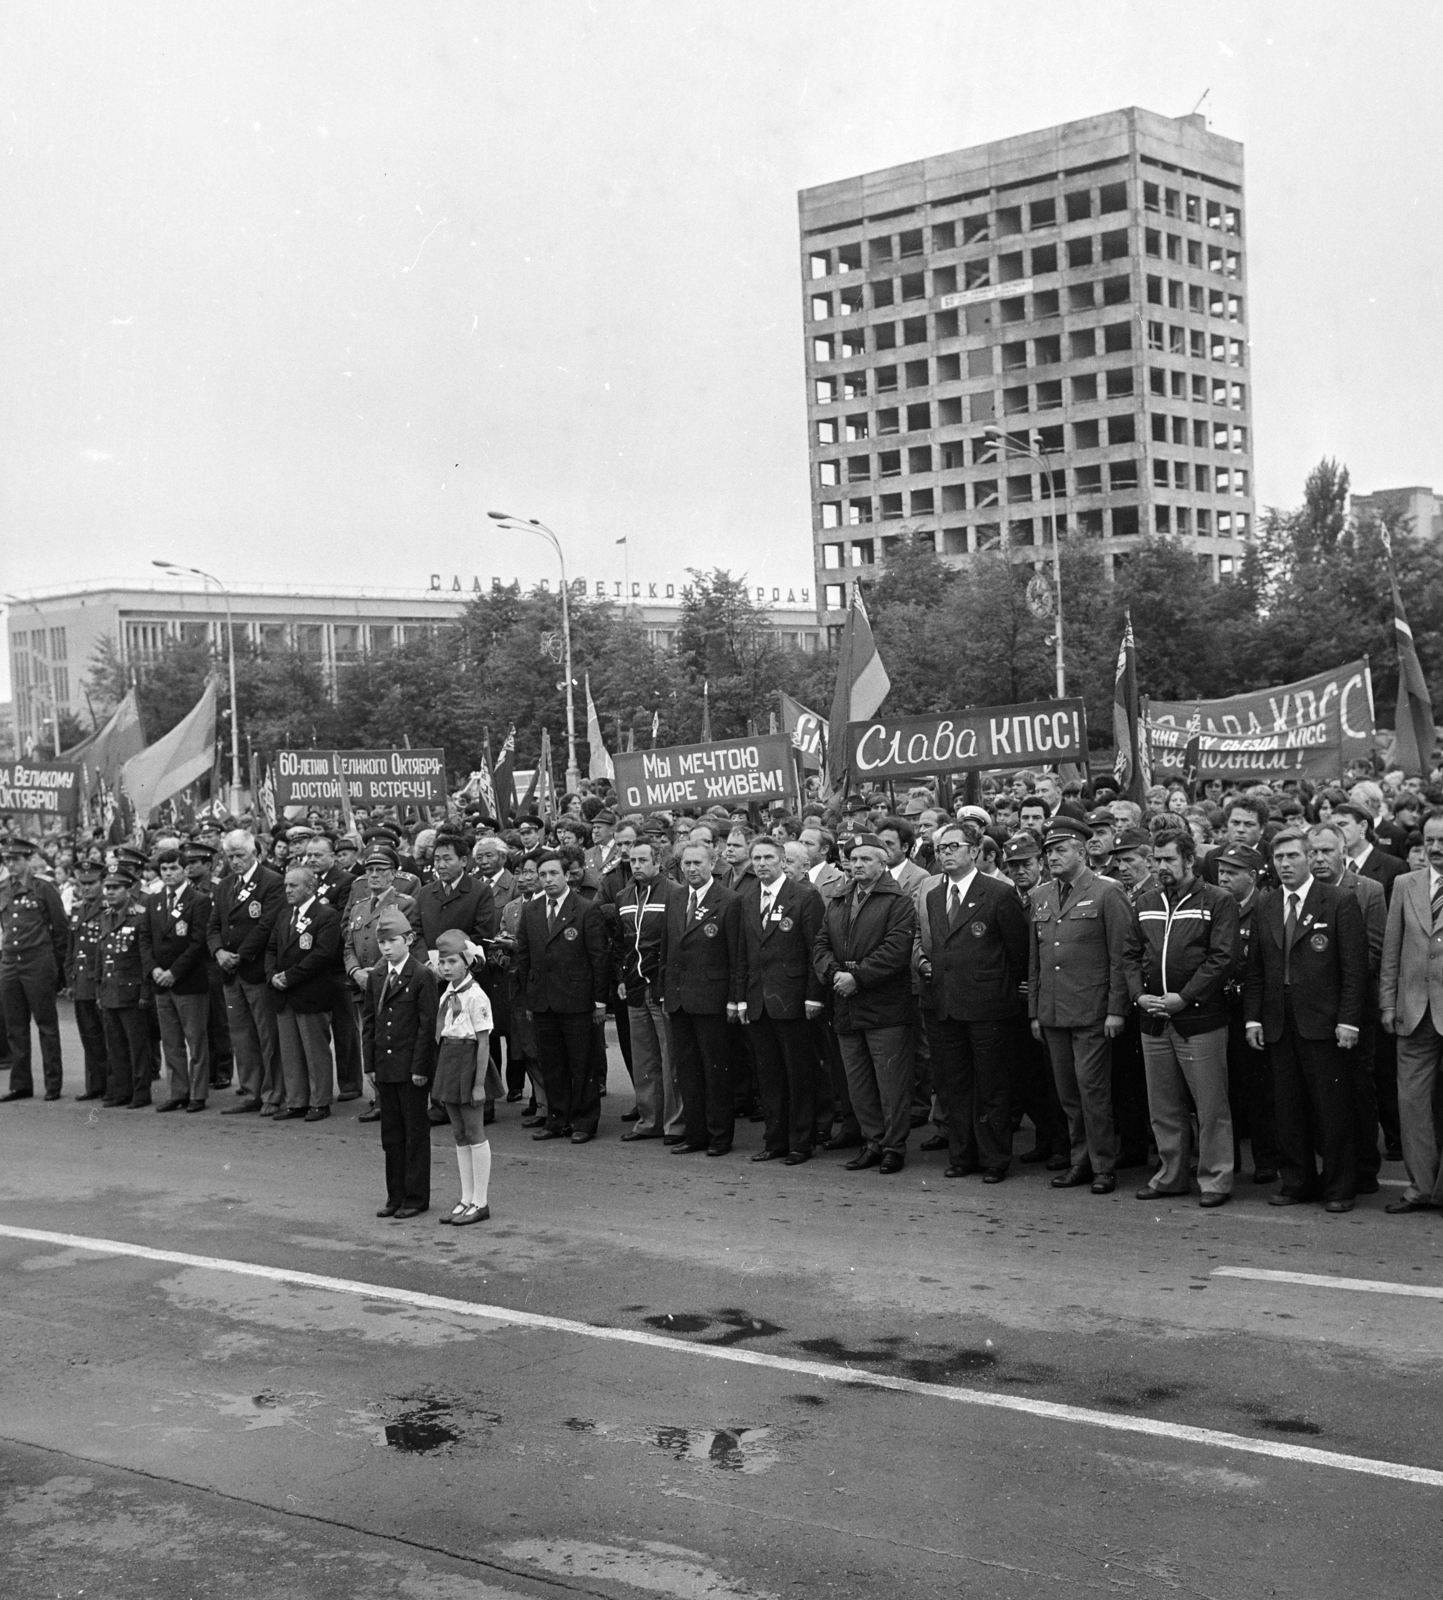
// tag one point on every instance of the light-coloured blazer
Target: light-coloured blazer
(1411, 983)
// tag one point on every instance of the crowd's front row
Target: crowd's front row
(844, 1006)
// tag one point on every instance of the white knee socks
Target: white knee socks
(463, 1163)
(480, 1171)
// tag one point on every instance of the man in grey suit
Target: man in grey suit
(1411, 1005)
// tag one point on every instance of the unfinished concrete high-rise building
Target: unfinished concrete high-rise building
(1048, 325)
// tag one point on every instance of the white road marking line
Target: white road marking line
(827, 1372)
(1321, 1280)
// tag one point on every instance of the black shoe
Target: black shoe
(110, 1100)
(718, 1149)
(318, 1113)
(963, 1169)
(1265, 1175)
(637, 1133)
(892, 1161)
(863, 1159)
(370, 1114)
(1030, 1158)
(140, 1105)
(348, 1094)
(994, 1175)
(795, 1158)
(388, 1210)
(548, 1133)
(631, 1116)
(1147, 1192)
(172, 1105)
(52, 1094)
(17, 1094)
(1073, 1178)
(844, 1141)
(195, 1105)
(582, 1138)
(511, 1099)
(1401, 1208)
(1058, 1162)
(1104, 1184)
(411, 1211)
(244, 1106)
(938, 1141)
(533, 1121)
(1337, 1207)
(92, 1094)
(291, 1113)
(685, 1149)
(1283, 1198)
(673, 1138)
(769, 1155)
(1214, 1198)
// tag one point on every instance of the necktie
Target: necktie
(1063, 890)
(551, 913)
(1290, 930)
(691, 906)
(769, 899)
(1437, 902)
(954, 904)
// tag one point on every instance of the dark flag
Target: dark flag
(1132, 767)
(1415, 733)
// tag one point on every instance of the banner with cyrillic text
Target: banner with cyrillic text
(1309, 729)
(1040, 733)
(727, 772)
(372, 777)
(40, 788)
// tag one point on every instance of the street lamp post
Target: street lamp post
(44, 681)
(531, 525)
(1006, 440)
(210, 577)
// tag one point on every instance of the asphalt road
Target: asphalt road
(677, 1412)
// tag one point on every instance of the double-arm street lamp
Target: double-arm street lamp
(210, 577)
(40, 671)
(1010, 446)
(531, 525)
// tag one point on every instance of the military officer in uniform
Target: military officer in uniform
(334, 887)
(303, 967)
(1082, 982)
(118, 971)
(1250, 1076)
(173, 955)
(79, 976)
(34, 941)
(243, 912)
(200, 857)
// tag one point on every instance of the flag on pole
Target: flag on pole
(862, 685)
(1131, 768)
(599, 763)
(804, 728)
(266, 796)
(1192, 750)
(630, 739)
(655, 727)
(545, 785)
(167, 766)
(502, 778)
(1414, 733)
(105, 752)
(705, 712)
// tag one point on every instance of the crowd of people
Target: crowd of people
(1163, 987)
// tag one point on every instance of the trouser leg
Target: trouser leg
(1171, 1111)
(261, 1003)
(952, 1068)
(294, 1071)
(1127, 1097)
(718, 1108)
(1363, 1061)
(1203, 1061)
(172, 1045)
(866, 1100)
(1328, 1075)
(222, 1054)
(1420, 1055)
(646, 1073)
(245, 1040)
(194, 1010)
(1385, 1082)
(17, 1032)
(891, 1052)
(799, 1059)
(346, 1038)
(315, 1031)
(1064, 1073)
(136, 1025)
(92, 1039)
(772, 1078)
(117, 1049)
(586, 1055)
(1296, 1163)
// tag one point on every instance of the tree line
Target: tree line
(1310, 592)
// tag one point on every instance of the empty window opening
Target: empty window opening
(922, 502)
(916, 374)
(882, 293)
(949, 368)
(919, 417)
(1045, 303)
(1078, 204)
(1019, 488)
(976, 229)
(914, 286)
(944, 235)
(1014, 355)
(831, 513)
(1079, 252)
(819, 264)
(1086, 435)
(1114, 245)
(1122, 429)
(859, 468)
(879, 251)
(1048, 351)
(1044, 259)
(849, 258)
(919, 458)
(1081, 296)
(910, 243)
(863, 552)
(832, 557)
(1009, 221)
(827, 431)
(1049, 395)
(949, 411)
(889, 464)
(1084, 388)
(977, 274)
(1116, 291)
(944, 280)
(1014, 401)
(828, 474)
(1042, 213)
(888, 421)
(1119, 382)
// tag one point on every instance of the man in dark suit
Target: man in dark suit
(335, 886)
(972, 954)
(1364, 857)
(864, 955)
(780, 922)
(1306, 990)
(636, 963)
(561, 970)
(453, 898)
(303, 967)
(243, 912)
(398, 1045)
(703, 981)
(173, 954)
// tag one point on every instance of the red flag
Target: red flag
(1132, 768)
(1414, 731)
(862, 685)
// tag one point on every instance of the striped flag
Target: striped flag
(804, 728)
(1132, 767)
(655, 727)
(503, 783)
(1414, 731)
(544, 787)
(862, 685)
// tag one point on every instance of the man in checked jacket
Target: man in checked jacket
(1189, 944)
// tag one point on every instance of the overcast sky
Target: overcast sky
(299, 291)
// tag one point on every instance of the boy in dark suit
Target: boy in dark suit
(780, 923)
(303, 967)
(398, 1046)
(972, 953)
(562, 959)
(1306, 988)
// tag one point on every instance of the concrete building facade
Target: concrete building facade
(1416, 505)
(1079, 292)
(54, 636)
